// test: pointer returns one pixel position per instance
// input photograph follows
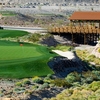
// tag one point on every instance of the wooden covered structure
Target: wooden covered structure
(84, 27)
(84, 18)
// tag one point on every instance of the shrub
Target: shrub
(47, 80)
(97, 61)
(16, 89)
(91, 58)
(95, 85)
(49, 75)
(72, 77)
(96, 74)
(37, 80)
(41, 87)
(51, 85)
(26, 81)
(47, 35)
(18, 83)
(89, 79)
(46, 85)
(35, 37)
(99, 49)
(61, 83)
(34, 87)
(63, 47)
(90, 76)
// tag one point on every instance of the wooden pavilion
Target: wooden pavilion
(84, 27)
(92, 18)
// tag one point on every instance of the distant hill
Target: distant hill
(48, 1)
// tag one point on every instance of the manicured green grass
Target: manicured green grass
(23, 61)
(7, 13)
(12, 33)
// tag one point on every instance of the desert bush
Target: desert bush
(63, 47)
(89, 79)
(35, 37)
(83, 54)
(43, 86)
(18, 83)
(53, 98)
(47, 80)
(47, 35)
(51, 85)
(35, 87)
(91, 58)
(26, 81)
(84, 92)
(96, 74)
(49, 75)
(72, 77)
(89, 76)
(61, 83)
(46, 85)
(16, 89)
(92, 97)
(94, 85)
(97, 93)
(37, 80)
(99, 49)
(97, 61)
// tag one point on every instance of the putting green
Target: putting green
(23, 61)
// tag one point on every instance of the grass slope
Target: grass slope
(12, 33)
(23, 61)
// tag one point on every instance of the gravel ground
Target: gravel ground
(47, 93)
(85, 47)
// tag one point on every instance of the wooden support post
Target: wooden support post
(84, 38)
(72, 38)
(99, 25)
(93, 37)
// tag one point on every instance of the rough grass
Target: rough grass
(62, 48)
(23, 61)
(12, 33)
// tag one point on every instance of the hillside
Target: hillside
(32, 20)
(53, 1)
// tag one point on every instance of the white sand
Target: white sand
(69, 54)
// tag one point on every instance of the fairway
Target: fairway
(12, 33)
(23, 61)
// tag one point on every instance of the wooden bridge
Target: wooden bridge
(84, 27)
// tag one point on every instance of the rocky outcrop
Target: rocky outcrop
(62, 66)
(49, 41)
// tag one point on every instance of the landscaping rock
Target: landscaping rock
(50, 41)
(62, 66)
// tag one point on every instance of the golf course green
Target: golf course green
(26, 60)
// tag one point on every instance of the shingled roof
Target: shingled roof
(80, 15)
